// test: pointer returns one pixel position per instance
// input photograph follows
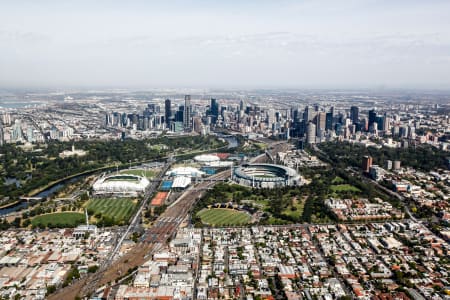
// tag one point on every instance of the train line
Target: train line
(154, 239)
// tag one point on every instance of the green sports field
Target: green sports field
(63, 219)
(223, 216)
(140, 172)
(119, 209)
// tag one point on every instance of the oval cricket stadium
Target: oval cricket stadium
(266, 176)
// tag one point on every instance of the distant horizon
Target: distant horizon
(70, 89)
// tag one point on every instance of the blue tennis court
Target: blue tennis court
(209, 171)
(166, 185)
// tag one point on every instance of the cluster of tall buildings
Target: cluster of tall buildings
(18, 131)
(264, 115)
(181, 119)
(313, 124)
(153, 118)
(317, 125)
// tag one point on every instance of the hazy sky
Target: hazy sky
(263, 44)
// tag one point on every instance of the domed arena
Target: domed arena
(266, 176)
(206, 158)
(120, 185)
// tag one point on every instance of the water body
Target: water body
(44, 194)
(232, 140)
(10, 104)
(18, 206)
(9, 181)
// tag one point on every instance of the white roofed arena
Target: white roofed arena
(206, 158)
(121, 185)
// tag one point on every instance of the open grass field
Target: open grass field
(295, 210)
(140, 172)
(344, 188)
(337, 180)
(223, 216)
(62, 219)
(120, 209)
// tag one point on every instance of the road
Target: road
(136, 218)
(154, 239)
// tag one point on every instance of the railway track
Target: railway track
(154, 238)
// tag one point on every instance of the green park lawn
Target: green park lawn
(337, 180)
(344, 188)
(119, 209)
(140, 172)
(223, 216)
(295, 211)
(62, 219)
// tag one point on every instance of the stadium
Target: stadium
(206, 158)
(266, 176)
(120, 185)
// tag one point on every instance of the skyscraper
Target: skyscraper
(167, 112)
(329, 121)
(354, 114)
(372, 117)
(241, 105)
(187, 113)
(366, 163)
(17, 131)
(320, 123)
(2, 137)
(214, 109)
(311, 133)
(309, 114)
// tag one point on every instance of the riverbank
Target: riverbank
(53, 186)
(8, 205)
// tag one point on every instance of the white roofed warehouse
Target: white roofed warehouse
(185, 171)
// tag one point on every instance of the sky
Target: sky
(225, 44)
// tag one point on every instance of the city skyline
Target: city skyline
(308, 44)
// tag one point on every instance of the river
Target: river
(232, 140)
(43, 194)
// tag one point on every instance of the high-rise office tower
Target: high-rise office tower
(366, 163)
(214, 109)
(17, 131)
(2, 137)
(332, 111)
(354, 114)
(309, 114)
(386, 123)
(329, 121)
(311, 133)
(30, 134)
(167, 112)
(372, 117)
(153, 108)
(320, 123)
(296, 115)
(187, 113)
(241, 105)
